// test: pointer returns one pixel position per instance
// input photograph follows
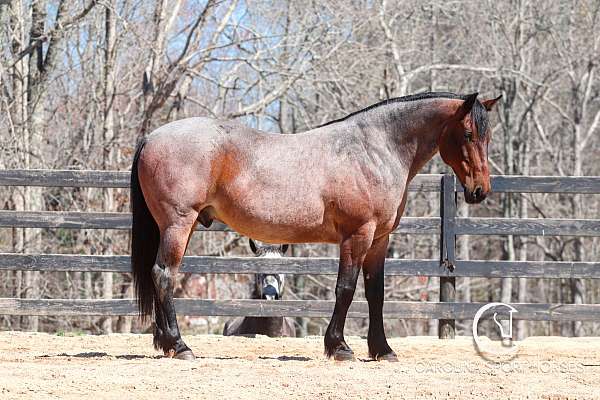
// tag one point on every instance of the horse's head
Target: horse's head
(268, 286)
(463, 145)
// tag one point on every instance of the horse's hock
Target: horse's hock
(448, 226)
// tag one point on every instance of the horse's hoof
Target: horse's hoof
(344, 355)
(185, 355)
(389, 357)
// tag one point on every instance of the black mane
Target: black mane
(478, 112)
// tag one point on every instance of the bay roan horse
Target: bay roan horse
(344, 182)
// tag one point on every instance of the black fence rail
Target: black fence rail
(448, 226)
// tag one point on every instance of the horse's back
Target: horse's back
(184, 131)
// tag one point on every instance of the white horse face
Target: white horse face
(269, 286)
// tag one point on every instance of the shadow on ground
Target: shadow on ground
(97, 354)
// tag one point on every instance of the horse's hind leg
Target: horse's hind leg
(373, 272)
(352, 254)
(173, 242)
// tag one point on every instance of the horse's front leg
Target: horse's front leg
(167, 337)
(353, 250)
(373, 273)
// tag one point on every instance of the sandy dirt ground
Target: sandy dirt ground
(41, 366)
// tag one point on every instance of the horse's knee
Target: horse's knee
(345, 290)
(346, 282)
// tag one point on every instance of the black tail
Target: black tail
(145, 238)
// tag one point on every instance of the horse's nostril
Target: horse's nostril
(478, 191)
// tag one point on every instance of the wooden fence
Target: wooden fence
(448, 226)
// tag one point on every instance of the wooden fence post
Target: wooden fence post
(447, 247)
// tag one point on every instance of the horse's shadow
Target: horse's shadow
(286, 358)
(98, 354)
(280, 358)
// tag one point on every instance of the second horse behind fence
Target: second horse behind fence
(266, 287)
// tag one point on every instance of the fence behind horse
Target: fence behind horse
(448, 226)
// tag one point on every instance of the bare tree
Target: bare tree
(81, 81)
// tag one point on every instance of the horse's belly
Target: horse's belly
(278, 222)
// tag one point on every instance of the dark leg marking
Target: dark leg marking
(167, 336)
(373, 273)
(352, 256)
(335, 344)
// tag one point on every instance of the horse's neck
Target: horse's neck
(410, 130)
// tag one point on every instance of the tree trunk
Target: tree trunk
(577, 285)
(522, 282)
(108, 135)
(19, 117)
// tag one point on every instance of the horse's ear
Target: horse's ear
(466, 106)
(284, 248)
(252, 245)
(489, 104)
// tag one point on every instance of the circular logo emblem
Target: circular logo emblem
(489, 349)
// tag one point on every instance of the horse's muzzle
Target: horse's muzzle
(270, 292)
(475, 196)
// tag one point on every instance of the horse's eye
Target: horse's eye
(468, 136)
